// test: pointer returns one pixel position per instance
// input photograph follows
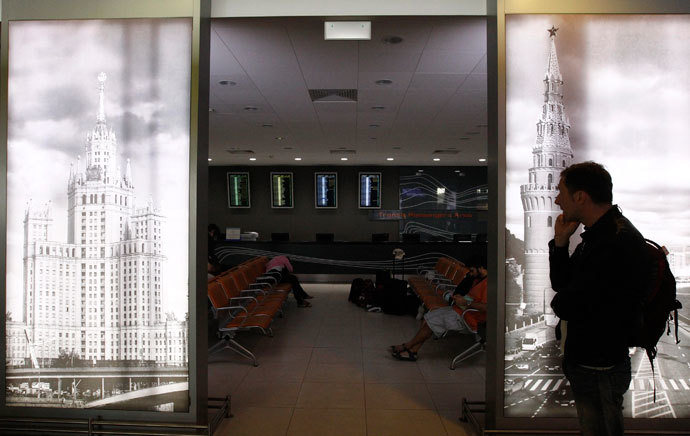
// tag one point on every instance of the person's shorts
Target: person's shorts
(443, 319)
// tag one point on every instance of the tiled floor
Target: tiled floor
(327, 371)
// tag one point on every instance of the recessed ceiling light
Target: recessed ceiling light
(436, 159)
(457, 171)
(440, 191)
(420, 171)
(384, 82)
(464, 138)
(228, 82)
(287, 148)
(252, 158)
(298, 158)
(393, 39)
(251, 108)
(211, 109)
(482, 160)
(389, 158)
(279, 138)
(373, 125)
(396, 148)
(267, 125)
(373, 138)
(209, 159)
(343, 158)
(378, 108)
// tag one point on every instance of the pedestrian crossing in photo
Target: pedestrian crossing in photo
(662, 384)
(541, 383)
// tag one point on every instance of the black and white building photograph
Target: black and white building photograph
(97, 214)
(615, 90)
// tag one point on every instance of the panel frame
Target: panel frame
(199, 12)
(359, 188)
(292, 189)
(249, 189)
(316, 183)
(496, 422)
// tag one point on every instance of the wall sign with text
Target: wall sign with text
(238, 190)
(369, 190)
(281, 190)
(326, 190)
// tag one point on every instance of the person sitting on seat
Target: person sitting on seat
(282, 268)
(439, 321)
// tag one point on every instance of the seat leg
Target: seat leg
(239, 349)
(474, 349)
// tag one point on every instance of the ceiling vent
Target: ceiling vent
(332, 95)
(343, 152)
(446, 152)
(232, 151)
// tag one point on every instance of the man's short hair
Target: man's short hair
(591, 178)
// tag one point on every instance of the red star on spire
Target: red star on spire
(552, 31)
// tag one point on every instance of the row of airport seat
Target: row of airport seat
(431, 284)
(245, 298)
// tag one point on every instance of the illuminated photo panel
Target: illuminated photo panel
(238, 190)
(281, 190)
(615, 90)
(326, 190)
(369, 190)
(97, 214)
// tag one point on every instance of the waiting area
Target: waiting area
(328, 369)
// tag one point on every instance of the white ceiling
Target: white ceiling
(437, 100)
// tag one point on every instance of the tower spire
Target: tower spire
(553, 71)
(100, 118)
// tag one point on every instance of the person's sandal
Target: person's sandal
(411, 355)
(394, 348)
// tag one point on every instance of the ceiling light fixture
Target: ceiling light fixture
(373, 125)
(396, 148)
(287, 148)
(252, 158)
(211, 109)
(436, 159)
(384, 82)
(251, 108)
(267, 125)
(227, 82)
(389, 158)
(279, 138)
(378, 108)
(209, 159)
(343, 158)
(298, 158)
(347, 30)
(482, 160)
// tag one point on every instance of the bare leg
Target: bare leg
(417, 341)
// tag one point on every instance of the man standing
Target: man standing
(599, 293)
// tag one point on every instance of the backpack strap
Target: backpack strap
(651, 354)
(675, 316)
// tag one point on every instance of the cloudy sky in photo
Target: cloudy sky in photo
(53, 102)
(627, 94)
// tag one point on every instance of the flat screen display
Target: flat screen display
(326, 190)
(97, 214)
(238, 190)
(615, 90)
(369, 190)
(281, 190)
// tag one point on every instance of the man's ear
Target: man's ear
(580, 196)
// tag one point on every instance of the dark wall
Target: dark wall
(347, 222)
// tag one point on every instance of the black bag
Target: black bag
(395, 298)
(355, 290)
(660, 305)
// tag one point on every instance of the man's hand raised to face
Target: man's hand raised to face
(563, 230)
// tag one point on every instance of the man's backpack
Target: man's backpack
(660, 305)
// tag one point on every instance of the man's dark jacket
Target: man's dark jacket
(600, 289)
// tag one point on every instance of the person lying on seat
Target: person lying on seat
(443, 319)
(282, 268)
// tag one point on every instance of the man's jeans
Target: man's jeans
(599, 397)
